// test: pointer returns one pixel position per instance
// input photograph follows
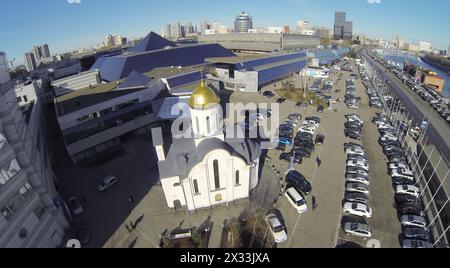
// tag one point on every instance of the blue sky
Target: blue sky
(67, 26)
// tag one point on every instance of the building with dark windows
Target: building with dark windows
(343, 30)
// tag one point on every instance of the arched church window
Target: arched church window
(237, 183)
(216, 174)
(208, 124)
(196, 191)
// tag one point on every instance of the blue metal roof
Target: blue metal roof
(151, 42)
(277, 72)
(118, 67)
(258, 62)
(183, 79)
(134, 80)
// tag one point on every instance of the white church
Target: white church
(208, 168)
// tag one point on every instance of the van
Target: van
(107, 183)
(296, 200)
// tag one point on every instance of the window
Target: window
(216, 174)
(196, 191)
(25, 99)
(198, 124)
(208, 121)
(237, 178)
(19, 99)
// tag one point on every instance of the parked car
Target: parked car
(356, 197)
(405, 198)
(320, 109)
(277, 229)
(357, 178)
(300, 183)
(320, 139)
(281, 100)
(296, 200)
(357, 209)
(358, 229)
(75, 206)
(414, 243)
(107, 183)
(397, 165)
(288, 156)
(414, 221)
(356, 157)
(268, 94)
(399, 172)
(407, 189)
(354, 150)
(358, 163)
(357, 187)
(353, 145)
(412, 208)
(416, 233)
(356, 170)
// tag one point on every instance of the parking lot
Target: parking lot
(322, 227)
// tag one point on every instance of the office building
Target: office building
(32, 212)
(30, 61)
(243, 23)
(204, 26)
(115, 40)
(342, 29)
(302, 25)
(41, 52)
(263, 42)
(249, 75)
(322, 32)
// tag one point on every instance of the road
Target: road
(418, 109)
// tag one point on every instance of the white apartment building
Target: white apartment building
(31, 211)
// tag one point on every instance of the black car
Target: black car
(394, 153)
(303, 152)
(397, 159)
(299, 104)
(352, 134)
(413, 208)
(320, 109)
(416, 233)
(304, 135)
(299, 182)
(268, 94)
(287, 157)
(388, 142)
(405, 198)
(281, 100)
(320, 139)
(352, 144)
(313, 118)
(281, 147)
(356, 197)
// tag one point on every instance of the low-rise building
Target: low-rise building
(76, 82)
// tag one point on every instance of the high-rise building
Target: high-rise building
(4, 69)
(425, 46)
(41, 52)
(31, 211)
(204, 26)
(243, 23)
(3, 62)
(30, 61)
(342, 29)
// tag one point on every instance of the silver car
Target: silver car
(357, 187)
(358, 229)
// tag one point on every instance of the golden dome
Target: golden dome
(202, 97)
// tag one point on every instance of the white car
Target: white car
(358, 178)
(311, 122)
(306, 130)
(401, 172)
(357, 209)
(408, 189)
(276, 228)
(413, 220)
(311, 126)
(358, 163)
(388, 138)
(107, 183)
(354, 119)
(358, 229)
(296, 200)
(357, 187)
(355, 150)
(397, 165)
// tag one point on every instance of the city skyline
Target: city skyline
(78, 18)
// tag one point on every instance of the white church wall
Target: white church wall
(172, 192)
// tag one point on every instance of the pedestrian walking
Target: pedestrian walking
(314, 204)
(319, 162)
(128, 228)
